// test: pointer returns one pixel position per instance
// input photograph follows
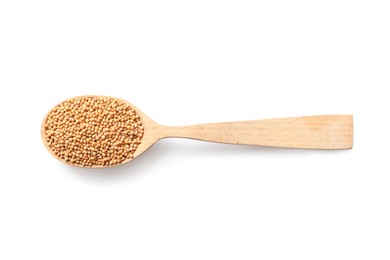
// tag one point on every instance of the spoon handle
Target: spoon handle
(310, 132)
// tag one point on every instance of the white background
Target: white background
(187, 62)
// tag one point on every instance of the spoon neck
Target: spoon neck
(169, 131)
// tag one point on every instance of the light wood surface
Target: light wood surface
(309, 132)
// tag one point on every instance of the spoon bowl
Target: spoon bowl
(328, 132)
(148, 139)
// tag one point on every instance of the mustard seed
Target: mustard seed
(93, 131)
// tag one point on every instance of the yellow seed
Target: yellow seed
(91, 131)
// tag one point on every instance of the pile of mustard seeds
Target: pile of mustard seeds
(93, 131)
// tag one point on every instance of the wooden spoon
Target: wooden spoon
(308, 132)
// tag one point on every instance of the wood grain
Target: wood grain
(310, 132)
